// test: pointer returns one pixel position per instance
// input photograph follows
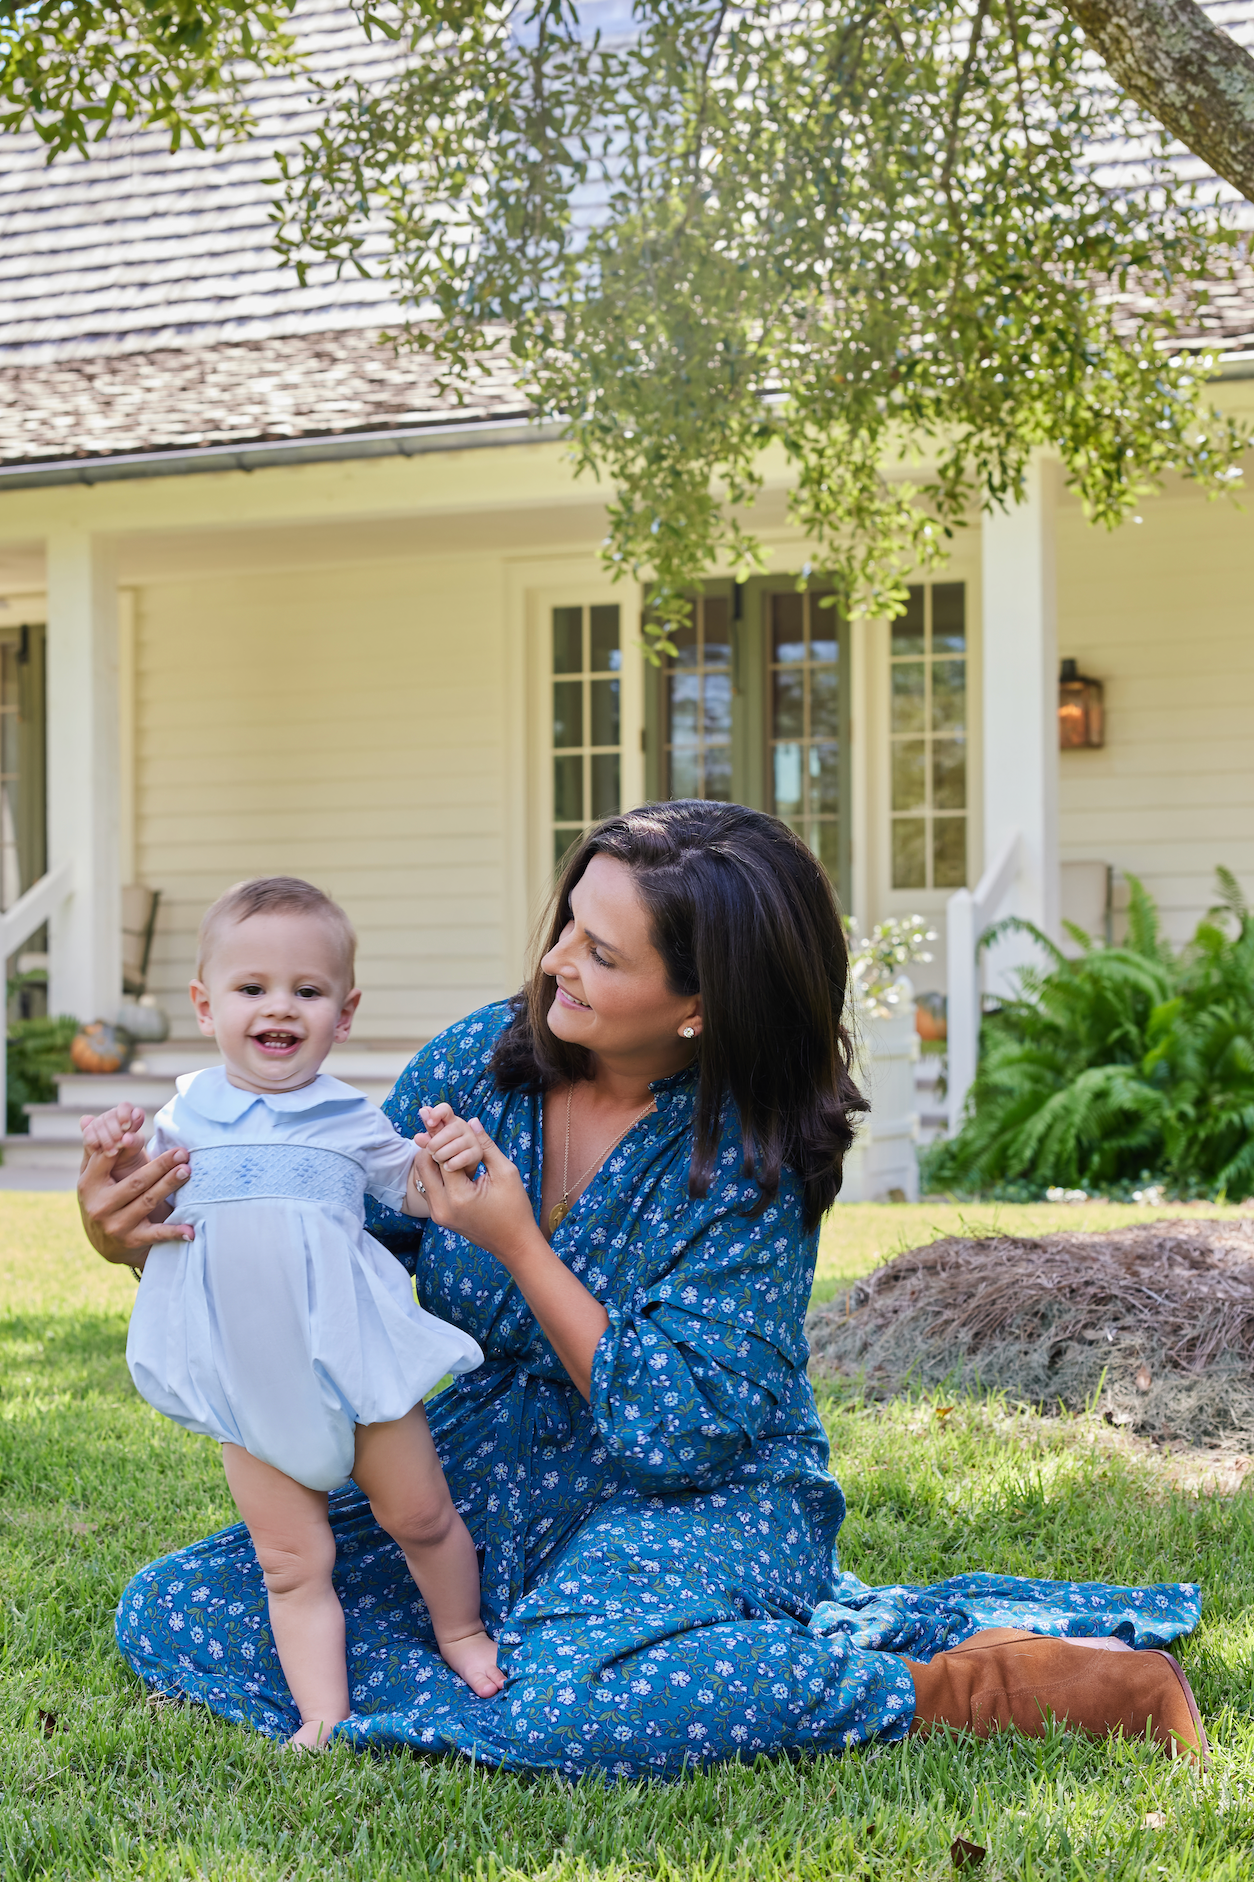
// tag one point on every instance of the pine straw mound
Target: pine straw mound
(1152, 1325)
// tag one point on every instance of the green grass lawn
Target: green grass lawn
(96, 1780)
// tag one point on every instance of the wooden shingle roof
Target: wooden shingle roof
(137, 248)
(143, 307)
(242, 392)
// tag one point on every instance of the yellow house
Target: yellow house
(268, 604)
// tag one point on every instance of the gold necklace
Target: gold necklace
(561, 1210)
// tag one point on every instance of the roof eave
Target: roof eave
(271, 454)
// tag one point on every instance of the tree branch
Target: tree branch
(1195, 79)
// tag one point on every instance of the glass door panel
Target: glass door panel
(805, 740)
(585, 719)
(697, 704)
(928, 737)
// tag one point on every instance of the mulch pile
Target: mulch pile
(1151, 1325)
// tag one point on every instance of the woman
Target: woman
(662, 1117)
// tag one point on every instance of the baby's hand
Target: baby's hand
(117, 1133)
(452, 1144)
(449, 1139)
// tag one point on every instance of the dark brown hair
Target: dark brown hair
(276, 895)
(742, 914)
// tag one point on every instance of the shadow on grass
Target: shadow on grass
(50, 1354)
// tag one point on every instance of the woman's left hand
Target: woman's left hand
(493, 1209)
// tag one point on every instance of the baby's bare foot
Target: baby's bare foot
(473, 1658)
(314, 1735)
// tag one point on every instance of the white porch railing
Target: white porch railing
(40, 902)
(967, 914)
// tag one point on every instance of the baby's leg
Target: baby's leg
(296, 1550)
(397, 1467)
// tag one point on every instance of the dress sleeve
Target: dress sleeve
(690, 1369)
(164, 1134)
(388, 1157)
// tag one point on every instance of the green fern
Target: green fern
(38, 1052)
(1122, 1061)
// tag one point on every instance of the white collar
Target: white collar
(211, 1095)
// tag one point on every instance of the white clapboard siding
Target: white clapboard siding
(1163, 612)
(346, 725)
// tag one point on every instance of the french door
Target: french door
(753, 708)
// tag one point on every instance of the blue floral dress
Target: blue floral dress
(658, 1566)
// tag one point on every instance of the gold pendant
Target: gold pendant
(558, 1213)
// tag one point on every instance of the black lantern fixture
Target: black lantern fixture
(1081, 716)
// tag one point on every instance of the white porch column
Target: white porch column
(85, 944)
(1020, 669)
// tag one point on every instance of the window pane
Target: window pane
(788, 690)
(685, 697)
(949, 695)
(949, 618)
(827, 848)
(606, 654)
(568, 790)
(909, 864)
(824, 702)
(685, 644)
(949, 852)
(824, 629)
(908, 627)
(685, 778)
(604, 712)
(718, 774)
(562, 840)
(949, 775)
(718, 705)
(605, 798)
(9, 735)
(909, 774)
(568, 640)
(908, 698)
(716, 626)
(825, 779)
(567, 712)
(787, 627)
(787, 780)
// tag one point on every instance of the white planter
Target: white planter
(884, 1157)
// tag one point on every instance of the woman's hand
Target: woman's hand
(118, 1134)
(453, 1145)
(493, 1210)
(124, 1216)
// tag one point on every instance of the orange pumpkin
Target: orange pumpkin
(98, 1048)
(929, 1023)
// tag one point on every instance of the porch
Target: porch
(383, 671)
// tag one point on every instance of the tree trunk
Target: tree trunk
(1194, 79)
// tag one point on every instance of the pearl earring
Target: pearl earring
(690, 1032)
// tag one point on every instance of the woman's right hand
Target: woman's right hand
(124, 1216)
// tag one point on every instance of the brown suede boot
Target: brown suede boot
(1003, 1677)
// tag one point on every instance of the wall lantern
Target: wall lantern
(1081, 716)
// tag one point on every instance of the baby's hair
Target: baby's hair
(276, 895)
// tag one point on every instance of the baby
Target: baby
(278, 1326)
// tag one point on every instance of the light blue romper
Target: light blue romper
(283, 1325)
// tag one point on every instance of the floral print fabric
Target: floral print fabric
(659, 1567)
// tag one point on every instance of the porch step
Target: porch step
(31, 1164)
(49, 1157)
